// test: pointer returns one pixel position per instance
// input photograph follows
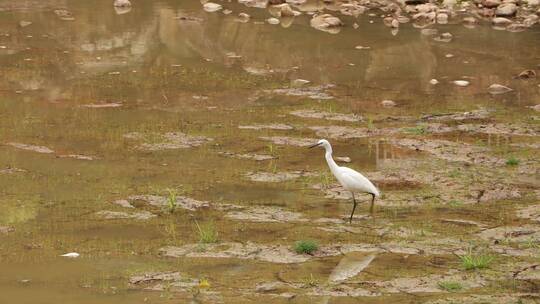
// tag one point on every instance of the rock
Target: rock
(444, 37)
(212, 7)
(531, 213)
(388, 103)
(516, 27)
(251, 251)
(155, 277)
(327, 115)
(11, 170)
(442, 18)
(327, 23)
(122, 3)
(251, 156)
(115, 215)
(270, 286)
(71, 255)
(285, 10)
(523, 233)
(313, 92)
(428, 283)
(461, 83)
(479, 299)
(276, 126)
(352, 9)
(360, 47)
(64, 15)
(429, 32)
(265, 214)
(527, 74)
(123, 203)
(349, 266)
(6, 230)
(531, 20)
(470, 20)
(496, 89)
(102, 105)
(451, 151)
(297, 83)
(290, 141)
(491, 3)
(476, 114)
(24, 23)
(183, 202)
(77, 156)
(391, 22)
(243, 17)
(433, 81)
(462, 222)
(507, 129)
(38, 149)
(500, 21)
(449, 3)
(528, 273)
(273, 21)
(276, 177)
(254, 3)
(341, 132)
(167, 141)
(343, 159)
(506, 10)
(536, 107)
(533, 2)
(276, 2)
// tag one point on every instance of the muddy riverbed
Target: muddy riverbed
(165, 144)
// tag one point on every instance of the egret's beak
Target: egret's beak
(315, 145)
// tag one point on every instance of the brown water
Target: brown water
(205, 76)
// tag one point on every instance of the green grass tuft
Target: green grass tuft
(370, 124)
(306, 246)
(472, 261)
(450, 286)
(310, 281)
(512, 161)
(418, 130)
(171, 201)
(455, 203)
(207, 233)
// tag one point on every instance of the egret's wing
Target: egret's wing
(357, 181)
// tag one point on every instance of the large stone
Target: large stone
(506, 10)
(327, 23)
(500, 21)
(496, 89)
(212, 7)
(491, 3)
(122, 3)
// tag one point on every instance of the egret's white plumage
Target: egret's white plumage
(350, 179)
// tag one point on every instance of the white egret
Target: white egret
(350, 179)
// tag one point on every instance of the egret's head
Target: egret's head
(323, 143)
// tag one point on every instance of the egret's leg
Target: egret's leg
(353, 208)
(372, 203)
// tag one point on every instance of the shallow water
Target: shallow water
(78, 87)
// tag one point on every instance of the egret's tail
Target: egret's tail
(376, 192)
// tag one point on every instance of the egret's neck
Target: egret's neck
(331, 163)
